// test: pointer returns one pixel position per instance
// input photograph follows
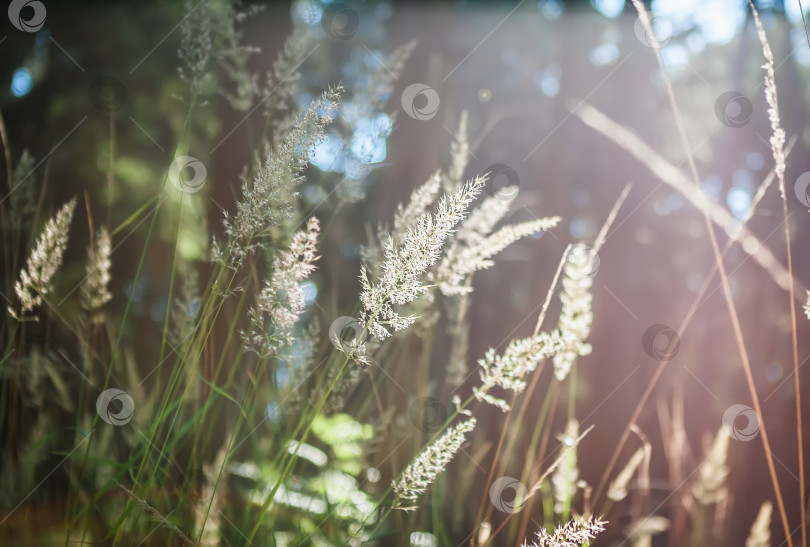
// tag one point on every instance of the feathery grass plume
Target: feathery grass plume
(760, 535)
(96, 287)
(400, 280)
(564, 479)
(282, 83)
(422, 199)
(459, 156)
(519, 358)
(376, 87)
(195, 47)
(208, 34)
(405, 218)
(365, 109)
(267, 199)
(422, 471)
(474, 243)
(574, 533)
(576, 315)
(617, 490)
(777, 140)
(463, 261)
(281, 301)
(231, 55)
(43, 262)
(483, 219)
(711, 493)
(711, 484)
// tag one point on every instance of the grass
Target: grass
(265, 414)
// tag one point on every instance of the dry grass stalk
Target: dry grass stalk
(732, 311)
(617, 490)
(675, 178)
(777, 142)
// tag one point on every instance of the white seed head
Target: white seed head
(573, 533)
(422, 471)
(564, 479)
(268, 197)
(576, 315)
(281, 301)
(401, 277)
(43, 262)
(760, 535)
(463, 260)
(521, 356)
(95, 289)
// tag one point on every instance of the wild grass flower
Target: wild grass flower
(95, 289)
(268, 198)
(777, 142)
(405, 218)
(711, 484)
(760, 535)
(365, 108)
(422, 471)
(485, 217)
(576, 315)
(374, 90)
(507, 370)
(281, 301)
(36, 279)
(462, 261)
(777, 139)
(231, 55)
(564, 479)
(422, 199)
(208, 36)
(195, 47)
(574, 533)
(283, 79)
(405, 263)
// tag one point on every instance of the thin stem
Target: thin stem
(732, 310)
